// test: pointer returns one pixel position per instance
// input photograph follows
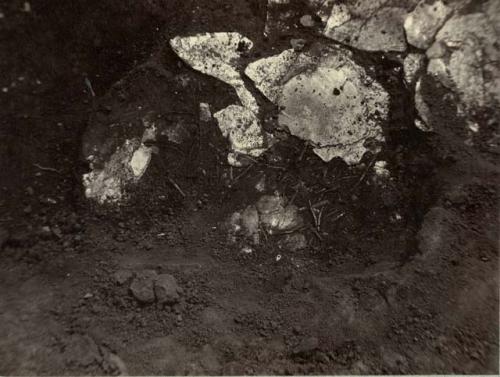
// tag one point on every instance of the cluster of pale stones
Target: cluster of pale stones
(324, 97)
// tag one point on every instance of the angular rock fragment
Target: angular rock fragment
(127, 165)
(142, 287)
(205, 113)
(465, 58)
(327, 100)
(422, 24)
(244, 132)
(271, 73)
(275, 216)
(370, 25)
(294, 242)
(422, 108)
(166, 289)
(413, 64)
(269, 213)
(217, 55)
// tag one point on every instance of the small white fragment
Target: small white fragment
(140, 160)
(242, 128)
(126, 165)
(247, 250)
(381, 170)
(413, 63)
(205, 113)
(278, 257)
(26, 7)
(474, 127)
(307, 21)
(260, 186)
(423, 109)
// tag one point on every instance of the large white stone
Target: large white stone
(327, 100)
(369, 25)
(422, 24)
(217, 55)
(465, 58)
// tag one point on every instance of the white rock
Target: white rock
(329, 101)
(127, 165)
(413, 64)
(335, 106)
(422, 24)
(367, 25)
(242, 128)
(464, 58)
(217, 55)
(269, 74)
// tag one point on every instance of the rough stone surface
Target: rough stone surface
(122, 276)
(368, 25)
(413, 65)
(465, 56)
(422, 108)
(336, 106)
(242, 128)
(277, 217)
(142, 287)
(166, 289)
(217, 55)
(422, 24)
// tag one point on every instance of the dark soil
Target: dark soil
(401, 277)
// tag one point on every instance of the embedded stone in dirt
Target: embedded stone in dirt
(142, 287)
(413, 64)
(328, 100)
(336, 106)
(368, 25)
(423, 110)
(123, 276)
(422, 24)
(270, 213)
(217, 55)
(306, 346)
(166, 289)
(242, 128)
(294, 242)
(126, 166)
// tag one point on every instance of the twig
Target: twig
(242, 173)
(46, 168)
(364, 173)
(176, 186)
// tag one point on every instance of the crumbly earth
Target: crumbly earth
(400, 273)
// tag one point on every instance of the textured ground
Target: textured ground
(404, 281)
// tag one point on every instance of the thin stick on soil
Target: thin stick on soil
(44, 168)
(242, 173)
(176, 186)
(364, 173)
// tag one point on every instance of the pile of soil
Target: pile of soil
(401, 276)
